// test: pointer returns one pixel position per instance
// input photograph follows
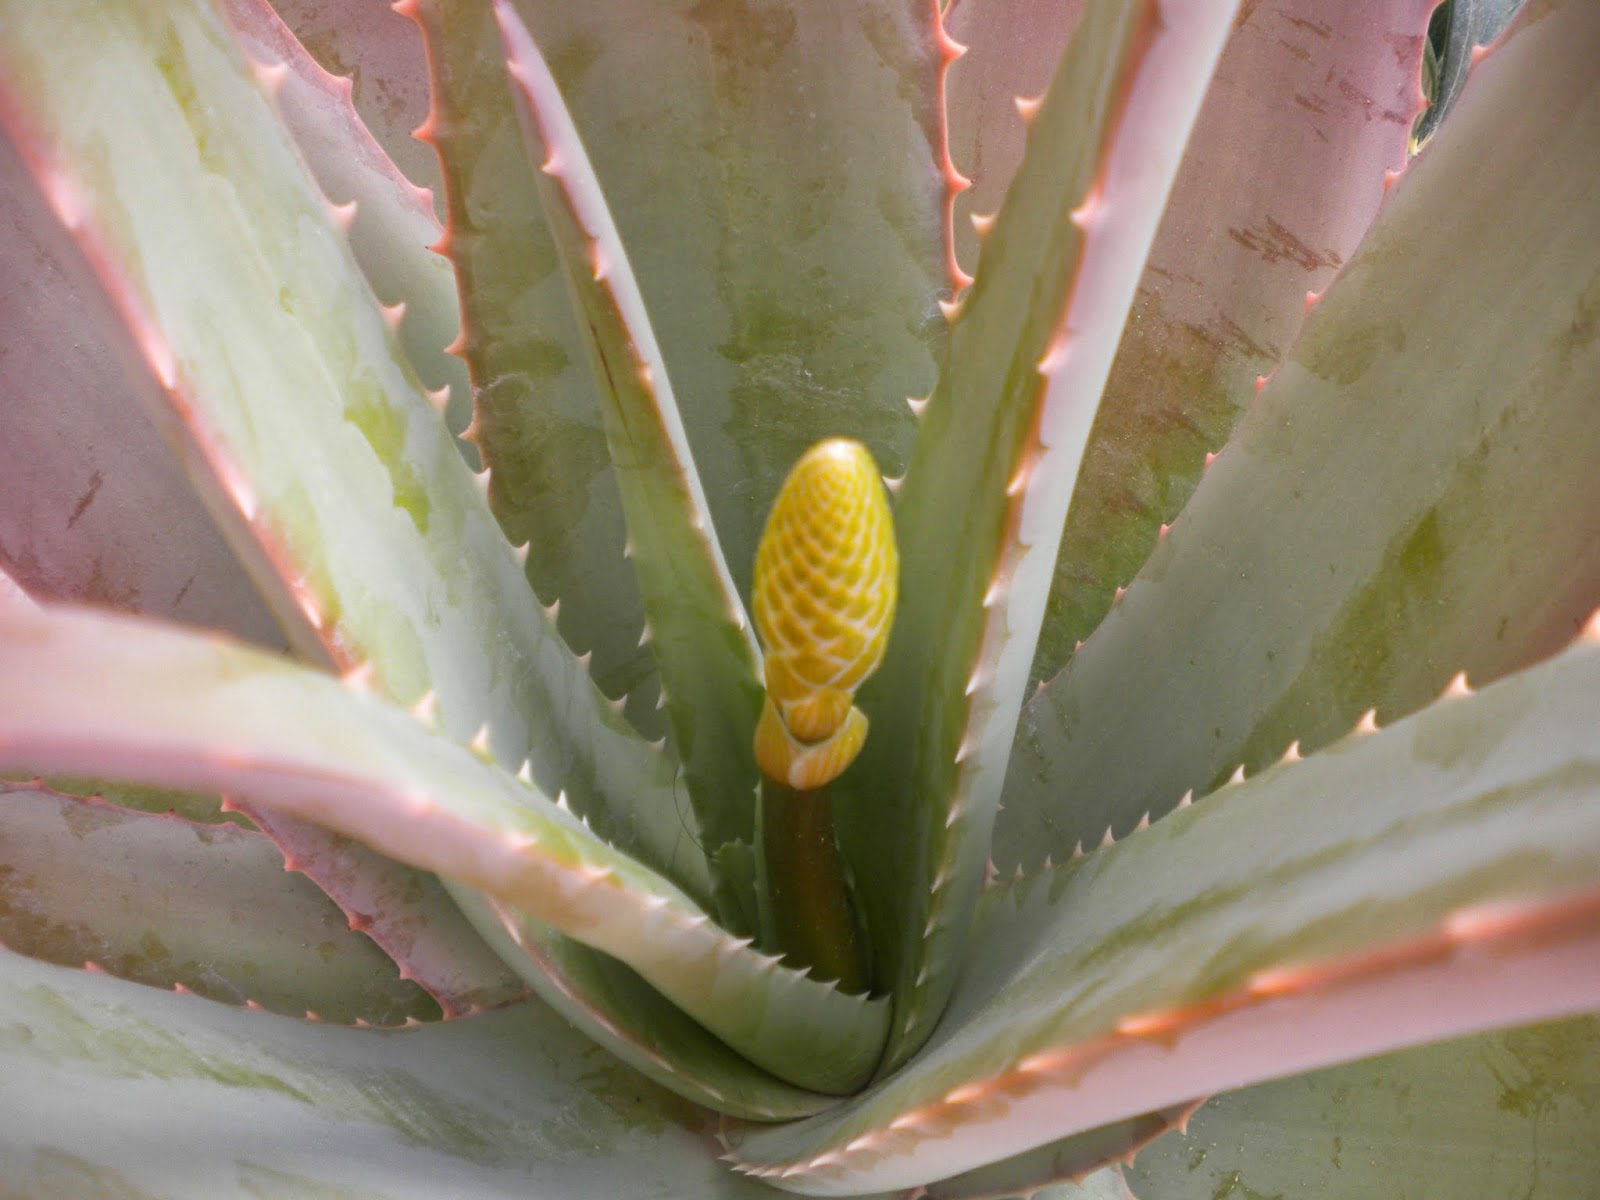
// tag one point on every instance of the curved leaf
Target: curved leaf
(134, 1092)
(981, 509)
(1436, 878)
(1411, 495)
(166, 902)
(705, 648)
(129, 699)
(1504, 1114)
(93, 506)
(302, 420)
(1311, 105)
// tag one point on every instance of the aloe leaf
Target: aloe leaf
(1437, 878)
(704, 646)
(92, 504)
(1312, 103)
(301, 416)
(82, 695)
(134, 1092)
(405, 911)
(380, 53)
(621, 1012)
(1502, 1114)
(1072, 1161)
(535, 420)
(166, 902)
(1410, 496)
(980, 512)
(394, 222)
(1011, 51)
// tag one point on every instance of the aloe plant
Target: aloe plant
(382, 812)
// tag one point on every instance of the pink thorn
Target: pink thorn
(553, 609)
(1479, 53)
(360, 677)
(520, 553)
(438, 397)
(408, 8)
(1261, 382)
(480, 741)
(428, 132)
(343, 215)
(1210, 458)
(1368, 722)
(94, 968)
(270, 76)
(1151, 1024)
(1457, 687)
(292, 866)
(1591, 628)
(982, 224)
(585, 658)
(1116, 596)
(1237, 776)
(1108, 840)
(1389, 178)
(181, 990)
(426, 709)
(1311, 300)
(443, 246)
(917, 405)
(1028, 108)
(1144, 823)
(525, 772)
(1163, 531)
(951, 309)
(393, 315)
(893, 484)
(1186, 799)
(1292, 754)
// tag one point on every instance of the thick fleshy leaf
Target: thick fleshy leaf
(302, 418)
(1012, 48)
(1434, 879)
(379, 52)
(405, 911)
(128, 1091)
(129, 699)
(535, 419)
(980, 512)
(1311, 104)
(792, 292)
(93, 506)
(394, 225)
(1504, 1114)
(620, 1011)
(1072, 1159)
(164, 901)
(1410, 496)
(704, 646)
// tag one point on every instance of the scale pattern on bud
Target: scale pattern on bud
(826, 581)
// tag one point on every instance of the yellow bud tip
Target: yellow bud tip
(826, 582)
(804, 765)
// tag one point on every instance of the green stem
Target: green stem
(806, 912)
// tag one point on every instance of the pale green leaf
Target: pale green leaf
(1513, 1114)
(167, 902)
(1436, 878)
(133, 1092)
(129, 699)
(704, 646)
(301, 417)
(1411, 495)
(980, 512)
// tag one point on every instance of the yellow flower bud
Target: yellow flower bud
(826, 580)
